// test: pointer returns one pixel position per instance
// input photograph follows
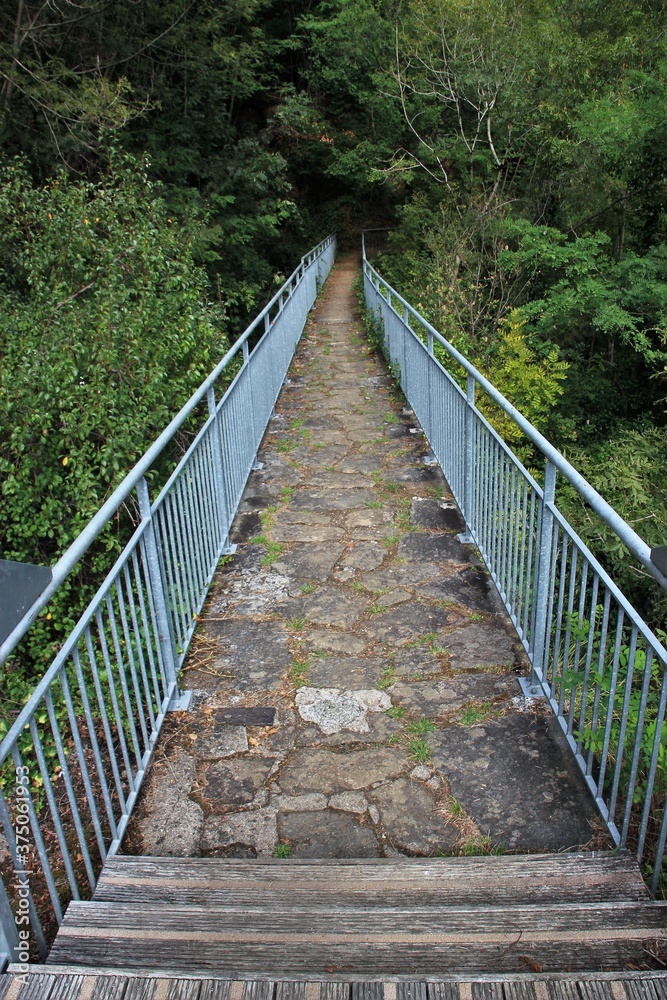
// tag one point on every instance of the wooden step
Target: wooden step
(301, 939)
(491, 880)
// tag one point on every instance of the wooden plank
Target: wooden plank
(381, 958)
(215, 989)
(291, 991)
(595, 991)
(258, 991)
(335, 991)
(564, 991)
(37, 986)
(600, 876)
(183, 989)
(110, 988)
(487, 991)
(528, 924)
(442, 991)
(367, 991)
(519, 991)
(411, 991)
(139, 989)
(646, 989)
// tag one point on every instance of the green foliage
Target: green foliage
(105, 331)
(532, 384)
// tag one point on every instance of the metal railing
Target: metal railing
(73, 762)
(599, 665)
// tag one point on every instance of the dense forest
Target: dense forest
(164, 165)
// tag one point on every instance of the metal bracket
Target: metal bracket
(429, 460)
(531, 688)
(180, 703)
(257, 466)
(230, 549)
(465, 538)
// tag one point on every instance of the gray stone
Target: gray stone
(246, 834)
(401, 574)
(256, 653)
(369, 517)
(420, 773)
(332, 500)
(253, 593)
(354, 802)
(405, 623)
(319, 770)
(220, 743)
(472, 588)
(360, 463)
(289, 516)
(416, 661)
(364, 556)
(310, 562)
(345, 643)
(327, 834)
(330, 606)
(169, 822)
(301, 803)
(421, 546)
(329, 709)
(347, 673)
(517, 779)
(236, 782)
(320, 458)
(340, 480)
(411, 819)
(437, 698)
(394, 597)
(482, 645)
(305, 533)
(380, 728)
(436, 514)
(332, 709)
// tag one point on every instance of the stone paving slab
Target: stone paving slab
(353, 610)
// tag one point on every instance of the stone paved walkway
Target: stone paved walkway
(353, 611)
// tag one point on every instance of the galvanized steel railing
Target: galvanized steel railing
(73, 762)
(601, 668)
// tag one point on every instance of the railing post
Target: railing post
(179, 701)
(9, 935)
(469, 462)
(228, 549)
(541, 586)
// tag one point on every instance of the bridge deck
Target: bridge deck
(69, 985)
(373, 642)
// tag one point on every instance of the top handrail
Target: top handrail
(632, 541)
(69, 559)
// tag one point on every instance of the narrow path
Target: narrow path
(355, 674)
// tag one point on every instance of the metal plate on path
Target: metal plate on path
(245, 716)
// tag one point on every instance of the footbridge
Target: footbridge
(355, 714)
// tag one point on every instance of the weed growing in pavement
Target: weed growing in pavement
(396, 711)
(308, 588)
(299, 672)
(388, 677)
(297, 623)
(419, 750)
(475, 712)
(421, 727)
(283, 851)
